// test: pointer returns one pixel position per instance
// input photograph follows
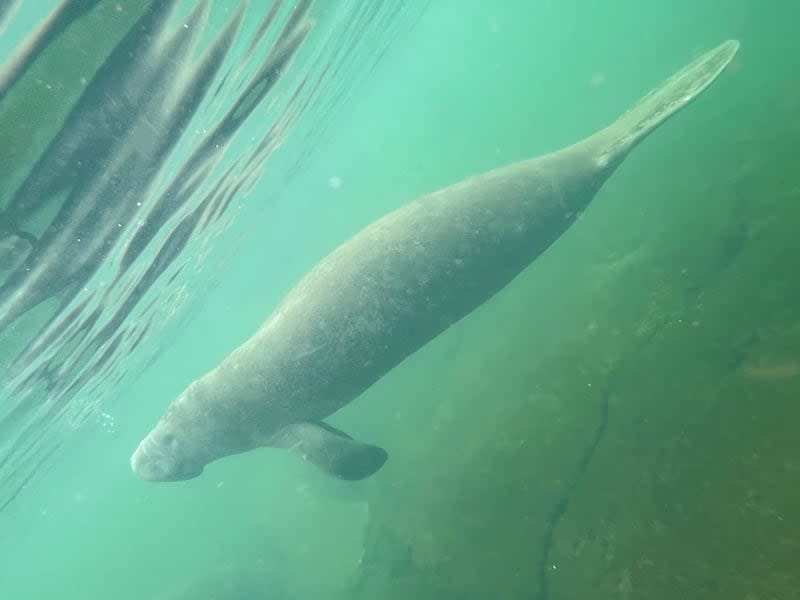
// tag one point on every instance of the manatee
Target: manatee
(386, 292)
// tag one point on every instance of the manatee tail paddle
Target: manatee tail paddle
(656, 107)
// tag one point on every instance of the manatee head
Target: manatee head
(164, 456)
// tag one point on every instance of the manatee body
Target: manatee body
(386, 292)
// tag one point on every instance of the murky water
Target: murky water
(616, 423)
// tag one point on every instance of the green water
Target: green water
(619, 422)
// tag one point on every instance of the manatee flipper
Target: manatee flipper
(331, 450)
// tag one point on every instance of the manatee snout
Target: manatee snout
(157, 458)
